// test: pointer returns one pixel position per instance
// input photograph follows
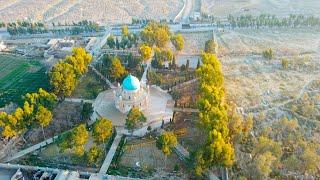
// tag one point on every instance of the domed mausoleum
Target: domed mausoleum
(131, 94)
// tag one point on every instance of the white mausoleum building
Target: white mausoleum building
(114, 104)
(131, 94)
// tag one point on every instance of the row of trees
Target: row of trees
(217, 150)
(76, 139)
(128, 40)
(36, 111)
(161, 56)
(267, 20)
(159, 35)
(26, 27)
(113, 68)
(155, 36)
(139, 21)
(65, 74)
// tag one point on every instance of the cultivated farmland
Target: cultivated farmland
(18, 76)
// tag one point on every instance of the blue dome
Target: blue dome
(131, 83)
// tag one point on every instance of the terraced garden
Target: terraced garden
(18, 76)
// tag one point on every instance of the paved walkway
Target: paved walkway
(182, 152)
(99, 43)
(185, 12)
(144, 75)
(30, 149)
(102, 77)
(78, 100)
(185, 110)
(106, 163)
(179, 149)
(213, 176)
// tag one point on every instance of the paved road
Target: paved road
(99, 43)
(112, 151)
(187, 11)
(144, 75)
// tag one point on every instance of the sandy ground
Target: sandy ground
(108, 11)
(278, 7)
(260, 85)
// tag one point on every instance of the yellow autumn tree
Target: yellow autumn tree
(116, 69)
(218, 148)
(43, 118)
(166, 142)
(145, 52)
(63, 79)
(79, 60)
(102, 130)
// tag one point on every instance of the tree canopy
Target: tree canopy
(134, 118)
(145, 51)
(211, 46)
(43, 117)
(75, 140)
(79, 60)
(64, 74)
(63, 79)
(36, 110)
(166, 142)
(218, 149)
(102, 130)
(116, 69)
(156, 34)
(178, 42)
(125, 31)
(111, 41)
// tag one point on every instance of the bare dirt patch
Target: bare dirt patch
(65, 116)
(143, 152)
(278, 7)
(185, 126)
(109, 11)
(264, 87)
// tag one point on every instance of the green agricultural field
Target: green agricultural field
(18, 76)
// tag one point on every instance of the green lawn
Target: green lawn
(89, 86)
(18, 76)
